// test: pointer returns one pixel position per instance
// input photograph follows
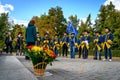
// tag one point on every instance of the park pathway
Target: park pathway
(79, 69)
(12, 69)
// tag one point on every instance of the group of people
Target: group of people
(75, 45)
(80, 45)
(19, 42)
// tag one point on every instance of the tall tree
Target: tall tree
(74, 20)
(88, 21)
(57, 17)
(82, 27)
(4, 27)
(53, 22)
(106, 16)
(109, 17)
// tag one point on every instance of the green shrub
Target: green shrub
(115, 53)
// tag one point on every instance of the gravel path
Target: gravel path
(79, 69)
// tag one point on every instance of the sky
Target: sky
(21, 11)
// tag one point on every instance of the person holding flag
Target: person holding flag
(73, 45)
(73, 40)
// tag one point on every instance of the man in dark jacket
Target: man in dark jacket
(18, 43)
(65, 42)
(30, 35)
(8, 42)
(98, 40)
(85, 44)
(107, 43)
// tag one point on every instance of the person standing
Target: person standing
(18, 43)
(8, 42)
(56, 44)
(85, 44)
(79, 45)
(30, 35)
(107, 45)
(46, 40)
(38, 39)
(98, 40)
(73, 45)
(65, 42)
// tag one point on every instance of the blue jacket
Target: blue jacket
(84, 38)
(65, 39)
(108, 37)
(100, 39)
(58, 41)
(73, 41)
(79, 41)
(31, 33)
(18, 43)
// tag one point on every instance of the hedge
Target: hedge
(115, 53)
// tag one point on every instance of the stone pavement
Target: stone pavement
(79, 69)
(12, 69)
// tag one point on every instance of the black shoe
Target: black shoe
(27, 58)
(95, 58)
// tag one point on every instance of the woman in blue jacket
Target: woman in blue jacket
(31, 36)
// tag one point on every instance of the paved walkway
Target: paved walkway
(12, 69)
(79, 69)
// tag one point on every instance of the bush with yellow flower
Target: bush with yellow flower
(40, 54)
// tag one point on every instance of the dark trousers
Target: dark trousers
(107, 52)
(56, 51)
(29, 44)
(64, 50)
(7, 48)
(17, 47)
(97, 54)
(80, 51)
(72, 52)
(84, 53)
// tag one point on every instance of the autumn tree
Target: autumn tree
(53, 22)
(57, 19)
(4, 27)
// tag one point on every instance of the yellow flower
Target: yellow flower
(36, 49)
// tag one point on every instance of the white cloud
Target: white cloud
(115, 2)
(82, 19)
(20, 22)
(6, 8)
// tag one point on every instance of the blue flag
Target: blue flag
(71, 29)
